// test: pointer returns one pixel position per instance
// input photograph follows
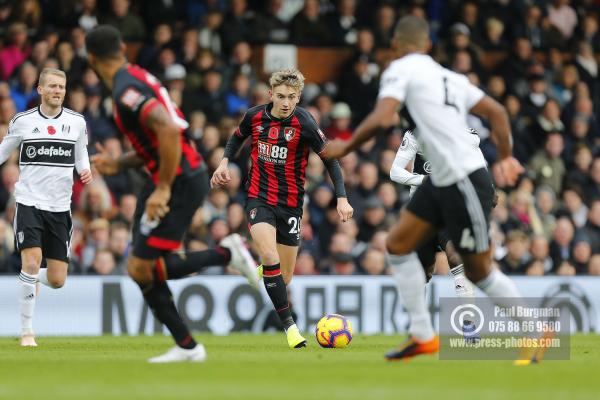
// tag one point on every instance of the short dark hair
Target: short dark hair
(104, 42)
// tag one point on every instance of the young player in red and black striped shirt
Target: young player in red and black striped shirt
(177, 185)
(282, 135)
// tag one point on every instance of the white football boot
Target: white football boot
(241, 259)
(178, 354)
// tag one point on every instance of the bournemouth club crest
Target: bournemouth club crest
(289, 133)
(253, 213)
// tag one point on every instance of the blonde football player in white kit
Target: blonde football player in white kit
(53, 141)
(459, 193)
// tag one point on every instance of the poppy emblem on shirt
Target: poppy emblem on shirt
(51, 130)
(288, 133)
(273, 132)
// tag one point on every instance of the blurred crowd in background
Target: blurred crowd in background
(545, 72)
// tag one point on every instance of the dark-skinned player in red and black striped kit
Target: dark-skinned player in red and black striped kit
(176, 186)
(281, 136)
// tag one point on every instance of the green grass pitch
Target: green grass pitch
(245, 367)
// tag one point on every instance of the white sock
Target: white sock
(27, 301)
(410, 279)
(462, 286)
(43, 277)
(496, 284)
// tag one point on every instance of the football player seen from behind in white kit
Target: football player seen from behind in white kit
(459, 194)
(411, 169)
(53, 141)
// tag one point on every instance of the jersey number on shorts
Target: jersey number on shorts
(294, 222)
(467, 241)
(449, 101)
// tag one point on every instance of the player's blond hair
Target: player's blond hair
(51, 71)
(290, 77)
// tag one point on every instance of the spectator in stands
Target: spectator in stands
(517, 257)
(24, 92)
(547, 166)
(6, 248)
(546, 207)
(383, 30)
(238, 97)
(98, 235)
(582, 252)
(540, 253)
(209, 99)
(588, 31)
(70, 63)
(515, 68)
(131, 26)
(341, 118)
(372, 219)
(586, 64)
(148, 55)
(126, 210)
(237, 25)
(268, 27)
(531, 27)
(209, 36)
(494, 36)
(100, 126)
(103, 263)
(309, 27)
(594, 265)
(344, 24)
(522, 208)
(561, 246)
(189, 47)
(575, 207)
(305, 264)
(119, 245)
(236, 218)
(592, 187)
(15, 50)
(95, 202)
(87, 16)
(359, 88)
(592, 226)
(563, 17)
(373, 262)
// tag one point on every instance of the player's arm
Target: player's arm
(401, 171)
(168, 135)
(382, 117)
(344, 209)
(82, 159)
(507, 169)
(221, 175)
(11, 141)
(107, 165)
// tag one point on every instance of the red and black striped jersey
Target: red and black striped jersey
(279, 153)
(134, 87)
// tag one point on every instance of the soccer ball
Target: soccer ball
(334, 330)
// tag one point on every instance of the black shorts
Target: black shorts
(463, 209)
(51, 231)
(151, 240)
(286, 220)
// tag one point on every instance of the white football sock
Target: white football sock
(43, 277)
(462, 286)
(504, 292)
(27, 301)
(410, 279)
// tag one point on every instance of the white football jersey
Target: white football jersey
(49, 149)
(438, 101)
(410, 151)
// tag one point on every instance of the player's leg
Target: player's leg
(160, 300)
(187, 195)
(31, 258)
(56, 248)
(417, 225)
(287, 259)
(28, 227)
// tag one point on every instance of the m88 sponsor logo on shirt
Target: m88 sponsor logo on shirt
(272, 153)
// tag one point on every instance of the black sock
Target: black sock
(177, 265)
(277, 292)
(160, 300)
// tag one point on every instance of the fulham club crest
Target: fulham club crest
(289, 133)
(253, 213)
